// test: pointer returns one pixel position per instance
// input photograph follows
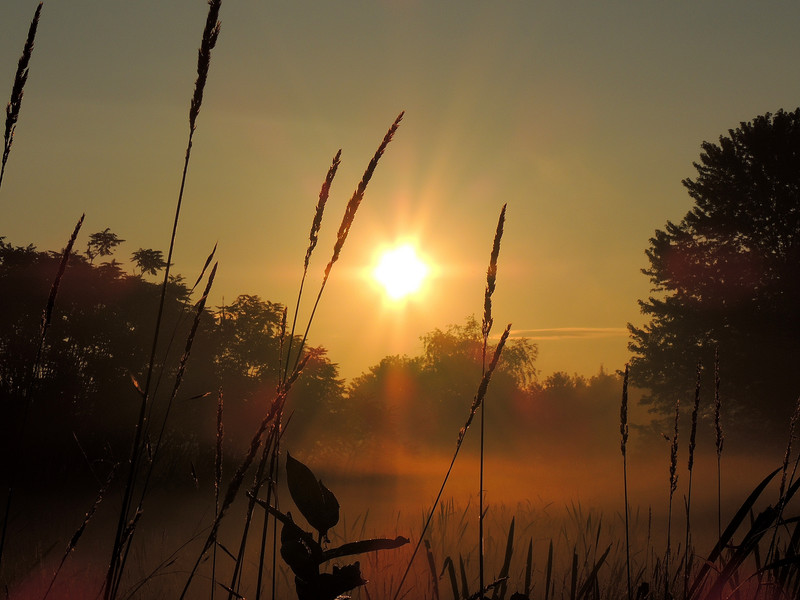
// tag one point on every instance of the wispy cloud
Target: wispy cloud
(564, 333)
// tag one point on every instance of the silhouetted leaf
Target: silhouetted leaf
(364, 546)
(730, 530)
(329, 586)
(300, 551)
(316, 502)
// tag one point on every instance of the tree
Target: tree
(149, 261)
(102, 243)
(425, 399)
(728, 277)
(100, 336)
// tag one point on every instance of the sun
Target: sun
(400, 271)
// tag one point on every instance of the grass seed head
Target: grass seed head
(695, 407)
(210, 35)
(15, 104)
(673, 451)
(358, 195)
(491, 275)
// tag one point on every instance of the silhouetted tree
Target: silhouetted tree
(426, 399)
(149, 261)
(100, 336)
(728, 276)
(102, 243)
(242, 354)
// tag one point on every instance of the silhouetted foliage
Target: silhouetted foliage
(304, 554)
(102, 243)
(728, 276)
(149, 261)
(424, 400)
(99, 340)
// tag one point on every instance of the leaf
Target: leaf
(364, 546)
(300, 551)
(316, 502)
(329, 586)
(730, 530)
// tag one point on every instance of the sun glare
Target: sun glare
(400, 271)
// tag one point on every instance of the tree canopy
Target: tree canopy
(424, 400)
(100, 337)
(727, 277)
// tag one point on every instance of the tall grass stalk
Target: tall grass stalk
(199, 311)
(220, 435)
(275, 411)
(673, 486)
(154, 452)
(33, 373)
(209, 40)
(486, 327)
(719, 439)
(258, 481)
(782, 494)
(692, 443)
(476, 402)
(313, 237)
(17, 90)
(272, 487)
(623, 430)
(73, 542)
(235, 484)
(347, 223)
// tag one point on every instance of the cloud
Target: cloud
(570, 333)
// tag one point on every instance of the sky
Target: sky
(584, 117)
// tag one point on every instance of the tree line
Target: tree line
(84, 399)
(725, 291)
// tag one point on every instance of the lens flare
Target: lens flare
(401, 272)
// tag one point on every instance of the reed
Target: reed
(218, 448)
(673, 486)
(17, 90)
(313, 237)
(235, 484)
(476, 403)
(692, 445)
(486, 327)
(719, 438)
(115, 569)
(200, 306)
(623, 430)
(347, 222)
(73, 542)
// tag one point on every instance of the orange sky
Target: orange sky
(584, 118)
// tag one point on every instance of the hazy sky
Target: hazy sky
(582, 116)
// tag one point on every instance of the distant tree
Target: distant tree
(102, 243)
(426, 399)
(248, 340)
(246, 350)
(575, 412)
(149, 261)
(728, 276)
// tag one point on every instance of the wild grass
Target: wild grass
(18, 89)
(522, 551)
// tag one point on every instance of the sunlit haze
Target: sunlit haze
(583, 117)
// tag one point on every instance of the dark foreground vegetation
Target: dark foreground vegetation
(152, 443)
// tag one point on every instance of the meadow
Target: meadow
(549, 519)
